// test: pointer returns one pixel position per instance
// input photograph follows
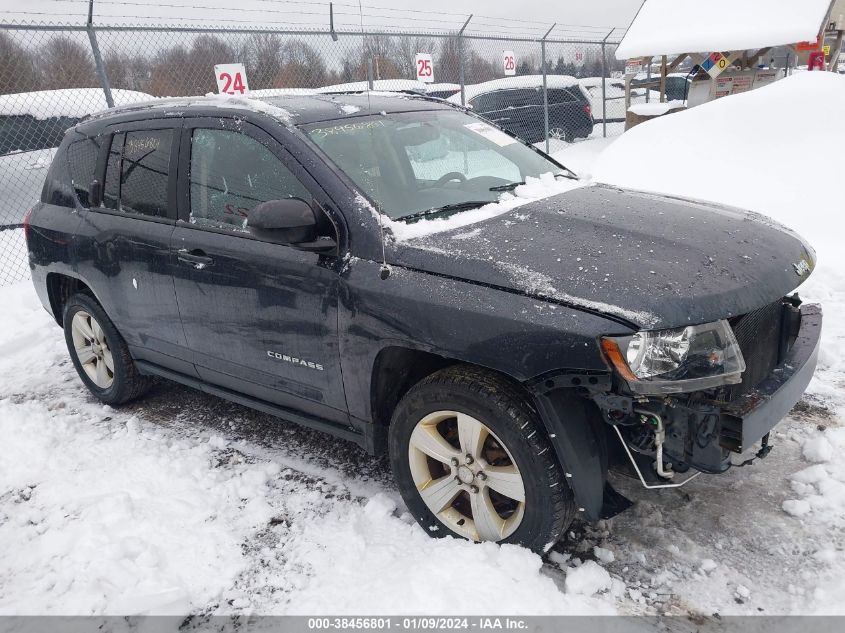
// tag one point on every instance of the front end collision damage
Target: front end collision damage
(656, 439)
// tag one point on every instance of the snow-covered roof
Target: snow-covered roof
(281, 92)
(389, 85)
(522, 81)
(70, 102)
(671, 27)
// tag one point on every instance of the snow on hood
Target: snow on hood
(534, 189)
(653, 261)
(70, 102)
(523, 81)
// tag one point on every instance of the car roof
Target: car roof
(288, 109)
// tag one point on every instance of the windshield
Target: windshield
(436, 161)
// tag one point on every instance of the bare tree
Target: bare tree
(17, 67)
(479, 69)
(302, 66)
(127, 71)
(382, 50)
(264, 59)
(65, 63)
(448, 67)
(406, 48)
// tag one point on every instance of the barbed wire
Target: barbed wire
(496, 25)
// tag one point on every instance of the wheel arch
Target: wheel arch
(60, 288)
(571, 423)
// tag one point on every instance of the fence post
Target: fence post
(461, 79)
(545, 86)
(98, 59)
(604, 84)
(370, 73)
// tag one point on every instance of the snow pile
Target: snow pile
(655, 109)
(69, 102)
(113, 519)
(821, 488)
(665, 27)
(534, 189)
(352, 552)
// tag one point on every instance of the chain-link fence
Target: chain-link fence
(52, 76)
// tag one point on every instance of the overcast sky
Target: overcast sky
(516, 17)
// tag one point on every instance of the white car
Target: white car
(32, 125)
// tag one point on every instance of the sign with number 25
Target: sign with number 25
(231, 79)
(425, 67)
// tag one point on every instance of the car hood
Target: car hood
(645, 260)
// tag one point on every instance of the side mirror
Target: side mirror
(289, 221)
(95, 194)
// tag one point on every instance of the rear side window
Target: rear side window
(559, 95)
(82, 166)
(137, 172)
(230, 174)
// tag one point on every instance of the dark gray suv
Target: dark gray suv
(345, 263)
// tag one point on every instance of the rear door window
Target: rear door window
(137, 172)
(82, 159)
(559, 95)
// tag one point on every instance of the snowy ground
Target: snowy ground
(186, 503)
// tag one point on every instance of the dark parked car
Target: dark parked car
(516, 104)
(255, 251)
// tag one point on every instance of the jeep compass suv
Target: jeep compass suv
(360, 265)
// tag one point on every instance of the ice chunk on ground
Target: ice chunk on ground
(587, 579)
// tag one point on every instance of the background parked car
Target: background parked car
(516, 105)
(32, 125)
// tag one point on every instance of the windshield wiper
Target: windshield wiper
(447, 208)
(513, 185)
(508, 187)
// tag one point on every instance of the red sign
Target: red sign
(425, 67)
(816, 61)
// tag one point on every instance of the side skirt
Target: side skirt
(311, 422)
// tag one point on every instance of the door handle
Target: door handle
(196, 258)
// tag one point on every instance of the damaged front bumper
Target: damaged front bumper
(701, 430)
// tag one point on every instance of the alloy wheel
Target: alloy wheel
(92, 349)
(557, 133)
(466, 476)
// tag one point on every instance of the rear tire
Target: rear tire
(99, 353)
(510, 489)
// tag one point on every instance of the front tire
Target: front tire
(470, 458)
(99, 353)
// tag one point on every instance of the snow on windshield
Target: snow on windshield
(534, 189)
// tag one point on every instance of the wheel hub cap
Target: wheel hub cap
(466, 476)
(92, 349)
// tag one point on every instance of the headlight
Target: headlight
(678, 360)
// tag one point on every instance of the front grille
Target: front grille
(759, 336)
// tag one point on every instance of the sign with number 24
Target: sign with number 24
(231, 79)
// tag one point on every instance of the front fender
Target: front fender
(578, 444)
